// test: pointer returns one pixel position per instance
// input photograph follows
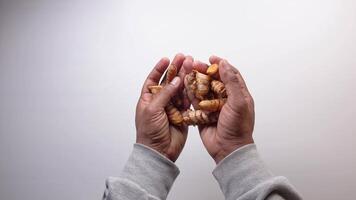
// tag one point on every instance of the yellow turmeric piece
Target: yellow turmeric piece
(191, 82)
(155, 89)
(198, 117)
(218, 88)
(202, 85)
(212, 69)
(171, 73)
(174, 115)
(212, 105)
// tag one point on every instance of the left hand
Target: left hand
(237, 117)
(152, 125)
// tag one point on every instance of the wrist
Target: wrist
(148, 143)
(229, 147)
(242, 169)
(150, 170)
(160, 148)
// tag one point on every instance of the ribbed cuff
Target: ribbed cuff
(151, 170)
(241, 171)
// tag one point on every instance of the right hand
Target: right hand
(152, 124)
(236, 120)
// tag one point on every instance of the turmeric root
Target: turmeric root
(205, 87)
(155, 89)
(198, 117)
(202, 84)
(191, 83)
(212, 69)
(212, 105)
(218, 88)
(170, 74)
(174, 116)
(177, 100)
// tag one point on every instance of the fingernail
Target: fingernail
(175, 81)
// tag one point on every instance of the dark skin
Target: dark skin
(152, 125)
(232, 131)
(236, 120)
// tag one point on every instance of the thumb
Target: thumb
(229, 76)
(167, 92)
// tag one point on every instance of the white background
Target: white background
(71, 72)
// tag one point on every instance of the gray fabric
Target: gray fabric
(146, 175)
(242, 175)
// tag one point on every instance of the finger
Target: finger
(214, 59)
(168, 91)
(185, 69)
(200, 66)
(190, 94)
(177, 62)
(229, 77)
(186, 101)
(155, 75)
(179, 99)
(188, 64)
(241, 80)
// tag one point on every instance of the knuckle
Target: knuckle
(232, 77)
(169, 89)
(170, 86)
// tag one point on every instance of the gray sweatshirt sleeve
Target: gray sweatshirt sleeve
(243, 175)
(147, 175)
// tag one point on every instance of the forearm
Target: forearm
(146, 175)
(243, 175)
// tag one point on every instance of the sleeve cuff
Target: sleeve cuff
(241, 171)
(150, 170)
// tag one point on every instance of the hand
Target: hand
(236, 120)
(152, 125)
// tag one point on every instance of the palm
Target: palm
(208, 136)
(171, 138)
(177, 140)
(236, 119)
(213, 136)
(168, 140)
(229, 126)
(152, 124)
